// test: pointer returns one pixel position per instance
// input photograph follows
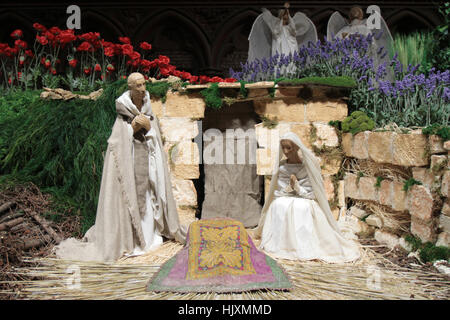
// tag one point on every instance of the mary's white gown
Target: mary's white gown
(295, 226)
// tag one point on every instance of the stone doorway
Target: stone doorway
(229, 185)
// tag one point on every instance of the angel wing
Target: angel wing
(383, 39)
(260, 40)
(335, 24)
(305, 29)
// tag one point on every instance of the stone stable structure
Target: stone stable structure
(425, 207)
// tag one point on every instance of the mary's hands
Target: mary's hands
(293, 181)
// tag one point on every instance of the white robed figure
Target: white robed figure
(296, 221)
(283, 34)
(136, 207)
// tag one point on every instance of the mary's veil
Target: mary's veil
(314, 174)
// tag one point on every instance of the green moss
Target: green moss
(158, 90)
(439, 130)
(243, 91)
(378, 183)
(409, 183)
(430, 253)
(343, 81)
(358, 121)
(269, 123)
(359, 176)
(337, 124)
(212, 96)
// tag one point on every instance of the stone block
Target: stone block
(436, 144)
(359, 213)
(183, 159)
(360, 145)
(425, 231)
(447, 145)
(380, 146)
(398, 197)
(350, 187)
(289, 110)
(444, 223)
(157, 107)
(420, 202)
(341, 194)
(367, 189)
(446, 208)
(303, 131)
(326, 111)
(330, 166)
(186, 215)
(385, 192)
(423, 175)
(264, 162)
(184, 192)
(270, 138)
(445, 185)
(347, 140)
(438, 162)
(374, 220)
(329, 187)
(387, 238)
(257, 93)
(409, 150)
(443, 239)
(178, 129)
(267, 180)
(191, 105)
(326, 135)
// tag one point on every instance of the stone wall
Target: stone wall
(364, 174)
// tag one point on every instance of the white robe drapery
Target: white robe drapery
(298, 224)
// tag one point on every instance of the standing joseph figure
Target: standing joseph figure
(136, 207)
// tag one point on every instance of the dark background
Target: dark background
(202, 37)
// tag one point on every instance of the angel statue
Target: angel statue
(283, 35)
(338, 27)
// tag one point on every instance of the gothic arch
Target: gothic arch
(231, 43)
(12, 21)
(407, 20)
(95, 21)
(171, 31)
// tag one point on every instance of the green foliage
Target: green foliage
(269, 123)
(441, 49)
(359, 176)
(430, 253)
(378, 183)
(414, 48)
(59, 146)
(212, 96)
(337, 124)
(358, 121)
(439, 130)
(243, 91)
(415, 242)
(341, 81)
(158, 90)
(409, 183)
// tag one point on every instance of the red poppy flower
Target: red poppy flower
(73, 63)
(17, 34)
(47, 63)
(19, 75)
(42, 40)
(164, 60)
(87, 71)
(53, 71)
(230, 80)
(85, 46)
(145, 77)
(21, 60)
(145, 46)
(55, 30)
(110, 68)
(66, 36)
(20, 44)
(135, 55)
(97, 68)
(9, 81)
(109, 51)
(39, 27)
(216, 79)
(29, 53)
(42, 60)
(193, 79)
(127, 49)
(125, 40)
(90, 36)
(204, 79)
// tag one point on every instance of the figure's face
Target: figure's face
(289, 148)
(138, 88)
(285, 18)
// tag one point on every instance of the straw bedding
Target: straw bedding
(372, 277)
